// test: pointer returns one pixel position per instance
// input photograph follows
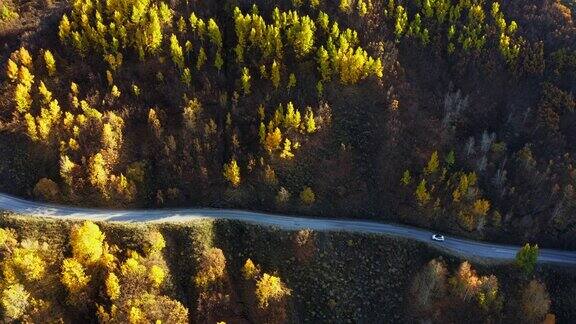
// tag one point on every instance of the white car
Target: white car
(438, 237)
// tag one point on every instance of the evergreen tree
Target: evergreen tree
(218, 61)
(287, 151)
(64, 29)
(232, 173)
(176, 52)
(422, 195)
(273, 139)
(12, 70)
(245, 80)
(401, 21)
(291, 81)
(324, 64)
(346, 6)
(526, 258)
(310, 121)
(154, 32)
(201, 59)
(214, 34)
(275, 74)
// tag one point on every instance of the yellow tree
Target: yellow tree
(245, 80)
(25, 57)
(12, 70)
(22, 98)
(273, 139)
(214, 34)
(232, 172)
(15, 300)
(269, 289)
(176, 52)
(201, 59)
(346, 6)
(287, 151)
(87, 242)
(275, 74)
(211, 268)
(98, 172)
(64, 29)
(50, 63)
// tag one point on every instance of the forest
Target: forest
(452, 115)
(232, 272)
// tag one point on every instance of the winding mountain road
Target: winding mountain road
(457, 246)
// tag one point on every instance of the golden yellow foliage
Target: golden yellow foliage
(287, 151)
(50, 63)
(67, 167)
(155, 242)
(249, 270)
(115, 92)
(26, 260)
(87, 242)
(22, 98)
(15, 300)
(45, 93)
(25, 57)
(132, 266)
(156, 275)
(273, 139)
(64, 29)
(73, 276)
(135, 316)
(270, 288)
(112, 286)
(25, 77)
(98, 172)
(31, 128)
(145, 308)
(7, 237)
(12, 70)
(74, 89)
(481, 207)
(232, 173)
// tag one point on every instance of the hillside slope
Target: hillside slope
(455, 115)
(332, 277)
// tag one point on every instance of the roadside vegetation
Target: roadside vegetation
(224, 271)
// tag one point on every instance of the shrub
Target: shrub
(47, 190)
(526, 258)
(211, 268)
(307, 196)
(535, 302)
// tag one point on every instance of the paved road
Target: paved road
(462, 247)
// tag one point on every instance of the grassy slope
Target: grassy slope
(346, 276)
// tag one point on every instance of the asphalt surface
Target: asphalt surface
(461, 247)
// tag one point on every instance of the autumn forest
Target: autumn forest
(450, 115)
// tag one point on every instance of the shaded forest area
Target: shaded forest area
(452, 115)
